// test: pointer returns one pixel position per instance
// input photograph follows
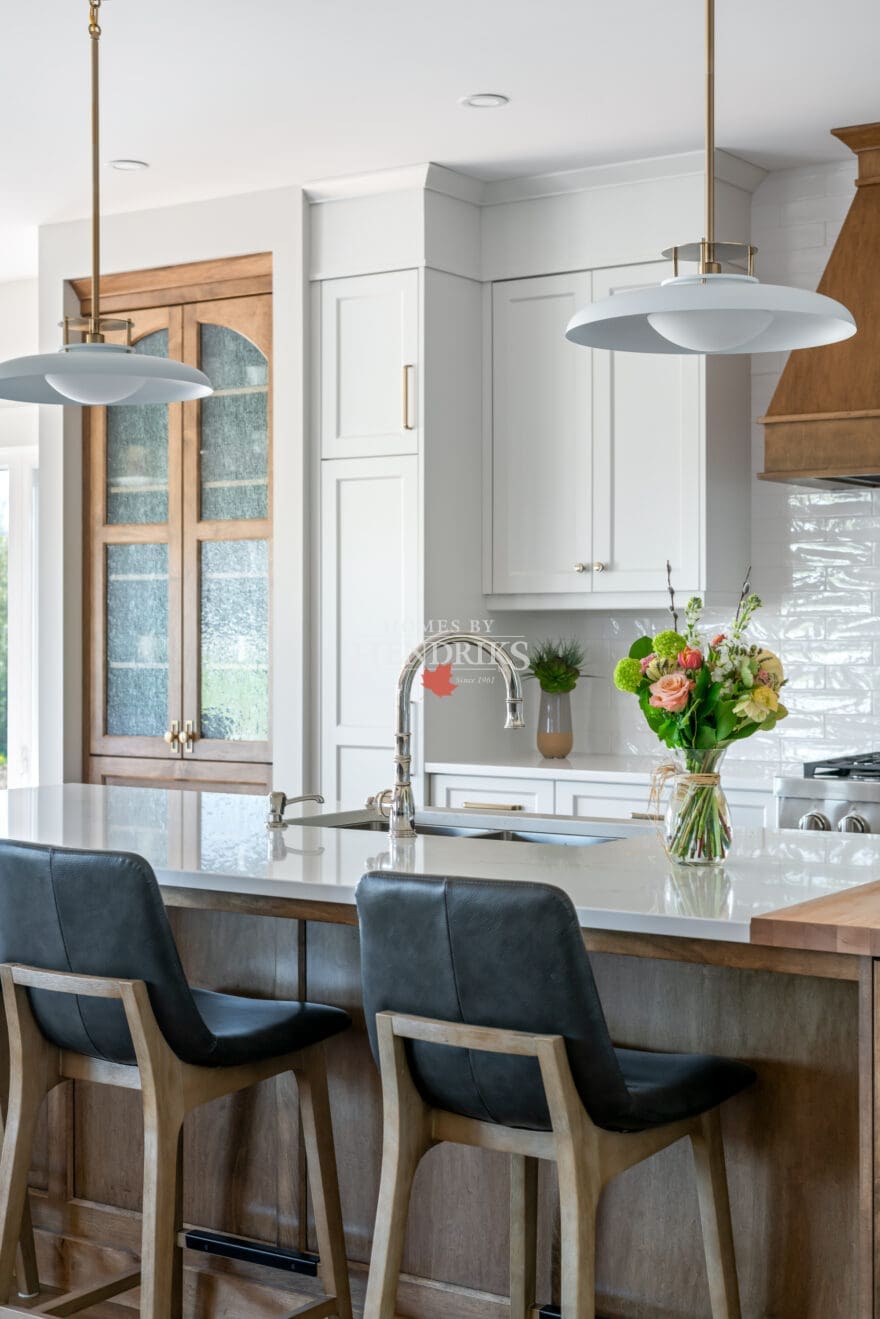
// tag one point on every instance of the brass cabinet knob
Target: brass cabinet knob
(598, 566)
(187, 735)
(172, 735)
(580, 567)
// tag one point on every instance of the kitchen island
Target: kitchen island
(685, 960)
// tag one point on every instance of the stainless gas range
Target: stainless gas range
(842, 794)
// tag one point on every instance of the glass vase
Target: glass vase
(698, 817)
(555, 738)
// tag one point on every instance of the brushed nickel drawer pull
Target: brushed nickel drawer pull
(492, 806)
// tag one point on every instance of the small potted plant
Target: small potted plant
(557, 667)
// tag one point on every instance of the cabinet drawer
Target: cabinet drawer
(533, 795)
(622, 801)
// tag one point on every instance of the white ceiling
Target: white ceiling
(226, 96)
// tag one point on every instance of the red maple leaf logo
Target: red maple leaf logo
(439, 680)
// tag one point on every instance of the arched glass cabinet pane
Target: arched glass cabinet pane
(234, 607)
(137, 453)
(234, 441)
(137, 640)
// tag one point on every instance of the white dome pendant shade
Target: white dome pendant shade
(98, 374)
(95, 373)
(713, 311)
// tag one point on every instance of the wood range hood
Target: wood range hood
(823, 424)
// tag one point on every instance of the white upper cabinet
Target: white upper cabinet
(602, 466)
(540, 504)
(369, 365)
(647, 442)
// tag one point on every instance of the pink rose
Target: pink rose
(671, 692)
(649, 659)
(689, 658)
(763, 677)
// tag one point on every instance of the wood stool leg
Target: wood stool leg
(523, 1234)
(578, 1202)
(324, 1179)
(27, 1278)
(161, 1257)
(405, 1138)
(715, 1215)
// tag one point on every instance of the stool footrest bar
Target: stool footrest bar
(255, 1252)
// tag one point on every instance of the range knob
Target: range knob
(816, 821)
(853, 823)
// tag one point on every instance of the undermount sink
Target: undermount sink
(493, 835)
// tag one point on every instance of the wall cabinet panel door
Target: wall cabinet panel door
(541, 502)
(133, 557)
(227, 531)
(369, 365)
(369, 616)
(648, 444)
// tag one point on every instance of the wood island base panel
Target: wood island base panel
(800, 1143)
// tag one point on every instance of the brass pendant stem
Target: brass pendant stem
(94, 334)
(710, 136)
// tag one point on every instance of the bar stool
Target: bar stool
(94, 991)
(486, 1023)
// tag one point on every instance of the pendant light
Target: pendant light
(711, 311)
(96, 372)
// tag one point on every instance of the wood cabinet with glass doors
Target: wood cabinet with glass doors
(178, 536)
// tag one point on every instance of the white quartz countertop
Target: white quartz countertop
(582, 767)
(218, 846)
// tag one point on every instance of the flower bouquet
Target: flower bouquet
(699, 697)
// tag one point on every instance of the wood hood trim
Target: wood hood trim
(824, 418)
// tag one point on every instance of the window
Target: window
(18, 477)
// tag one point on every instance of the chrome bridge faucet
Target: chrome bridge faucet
(402, 806)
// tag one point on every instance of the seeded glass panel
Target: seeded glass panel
(137, 640)
(137, 453)
(234, 427)
(235, 640)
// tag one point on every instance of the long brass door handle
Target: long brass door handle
(407, 425)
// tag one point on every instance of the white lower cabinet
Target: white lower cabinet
(533, 795)
(369, 612)
(602, 799)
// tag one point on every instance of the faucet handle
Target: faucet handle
(381, 803)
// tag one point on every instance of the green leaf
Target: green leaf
(712, 697)
(725, 720)
(641, 648)
(706, 738)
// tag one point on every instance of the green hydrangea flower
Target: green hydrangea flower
(667, 644)
(628, 675)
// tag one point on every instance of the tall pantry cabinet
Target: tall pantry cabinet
(178, 541)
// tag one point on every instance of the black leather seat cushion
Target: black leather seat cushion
(247, 1029)
(668, 1087)
(511, 955)
(101, 914)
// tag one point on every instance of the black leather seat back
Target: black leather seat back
(98, 913)
(488, 953)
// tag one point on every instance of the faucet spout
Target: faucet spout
(402, 813)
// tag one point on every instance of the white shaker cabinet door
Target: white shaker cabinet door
(648, 446)
(370, 609)
(541, 422)
(369, 365)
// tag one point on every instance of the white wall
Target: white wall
(229, 226)
(815, 560)
(19, 304)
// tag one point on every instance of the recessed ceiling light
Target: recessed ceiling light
(129, 164)
(485, 100)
